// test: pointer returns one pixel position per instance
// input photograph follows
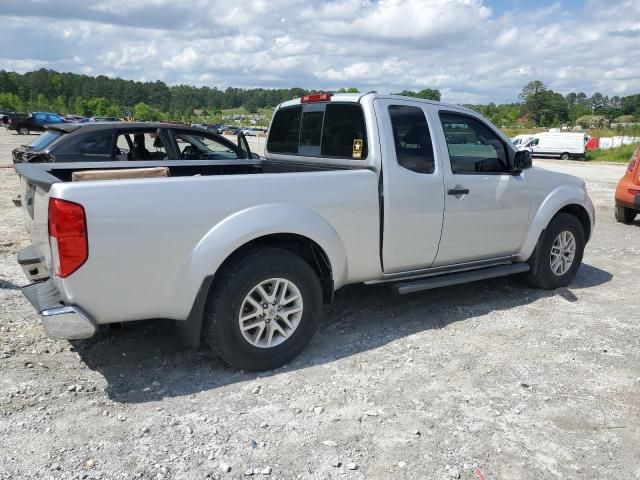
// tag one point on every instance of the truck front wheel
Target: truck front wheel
(560, 253)
(23, 131)
(263, 309)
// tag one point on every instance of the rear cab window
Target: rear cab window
(328, 130)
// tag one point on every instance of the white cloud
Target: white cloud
(459, 46)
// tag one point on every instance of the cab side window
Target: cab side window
(412, 139)
(473, 147)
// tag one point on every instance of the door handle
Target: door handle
(458, 191)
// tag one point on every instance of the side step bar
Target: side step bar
(417, 285)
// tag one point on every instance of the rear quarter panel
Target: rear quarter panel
(152, 241)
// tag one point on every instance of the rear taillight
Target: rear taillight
(67, 236)
(10, 121)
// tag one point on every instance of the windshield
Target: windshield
(45, 140)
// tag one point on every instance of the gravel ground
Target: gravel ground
(492, 380)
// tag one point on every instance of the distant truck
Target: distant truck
(521, 140)
(557, 144)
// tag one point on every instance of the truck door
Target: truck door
(413, 189)
(486, 206)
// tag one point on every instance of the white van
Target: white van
(520, 140)
(553, 144)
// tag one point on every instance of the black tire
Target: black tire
(625, 215)
(234, 282)
(23, 131)
(544, 277)
(565, 156)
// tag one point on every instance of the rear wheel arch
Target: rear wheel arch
(304, 247)
(300, 245)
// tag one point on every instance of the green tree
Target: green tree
(10, 101)
(79, 106)
(427, 93)
(534, 100)
(142, 111)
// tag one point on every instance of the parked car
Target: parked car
(406, 192)
(33, 122)
(563, 145)
(125, 141)
(628, 191)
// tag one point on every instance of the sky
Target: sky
(473, 51)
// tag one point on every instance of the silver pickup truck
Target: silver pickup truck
(242, 253)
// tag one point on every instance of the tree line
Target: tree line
(71, 93)
(541, 106)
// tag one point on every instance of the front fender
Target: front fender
(246, 225)
(560, 197)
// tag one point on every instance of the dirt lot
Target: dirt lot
(485, 381)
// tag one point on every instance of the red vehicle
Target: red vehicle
(628, 191)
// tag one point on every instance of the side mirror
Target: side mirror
(522, 161)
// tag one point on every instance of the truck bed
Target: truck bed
(46, 174)
(152, 241)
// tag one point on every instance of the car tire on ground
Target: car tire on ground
(565, 156)
(560, 253)
(23, 131)
(625, 215)
(263, 309)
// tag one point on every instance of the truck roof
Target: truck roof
(356, 97)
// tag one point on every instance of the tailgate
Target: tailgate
(35, 205)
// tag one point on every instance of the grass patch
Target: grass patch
(615, 155)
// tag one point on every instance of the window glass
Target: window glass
(414, 149)
(343, 134)
(136, 145)
(473, 147)
(311, 128)
(96, 144)
(194, 146)
(45, 140)
(285, 131)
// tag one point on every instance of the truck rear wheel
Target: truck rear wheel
(625, 215)
(263, 309)
(23, 131)
(560, 254)
(565, 156)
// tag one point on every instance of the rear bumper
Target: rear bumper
(32, 263)
(62, 322)
(629, 202)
